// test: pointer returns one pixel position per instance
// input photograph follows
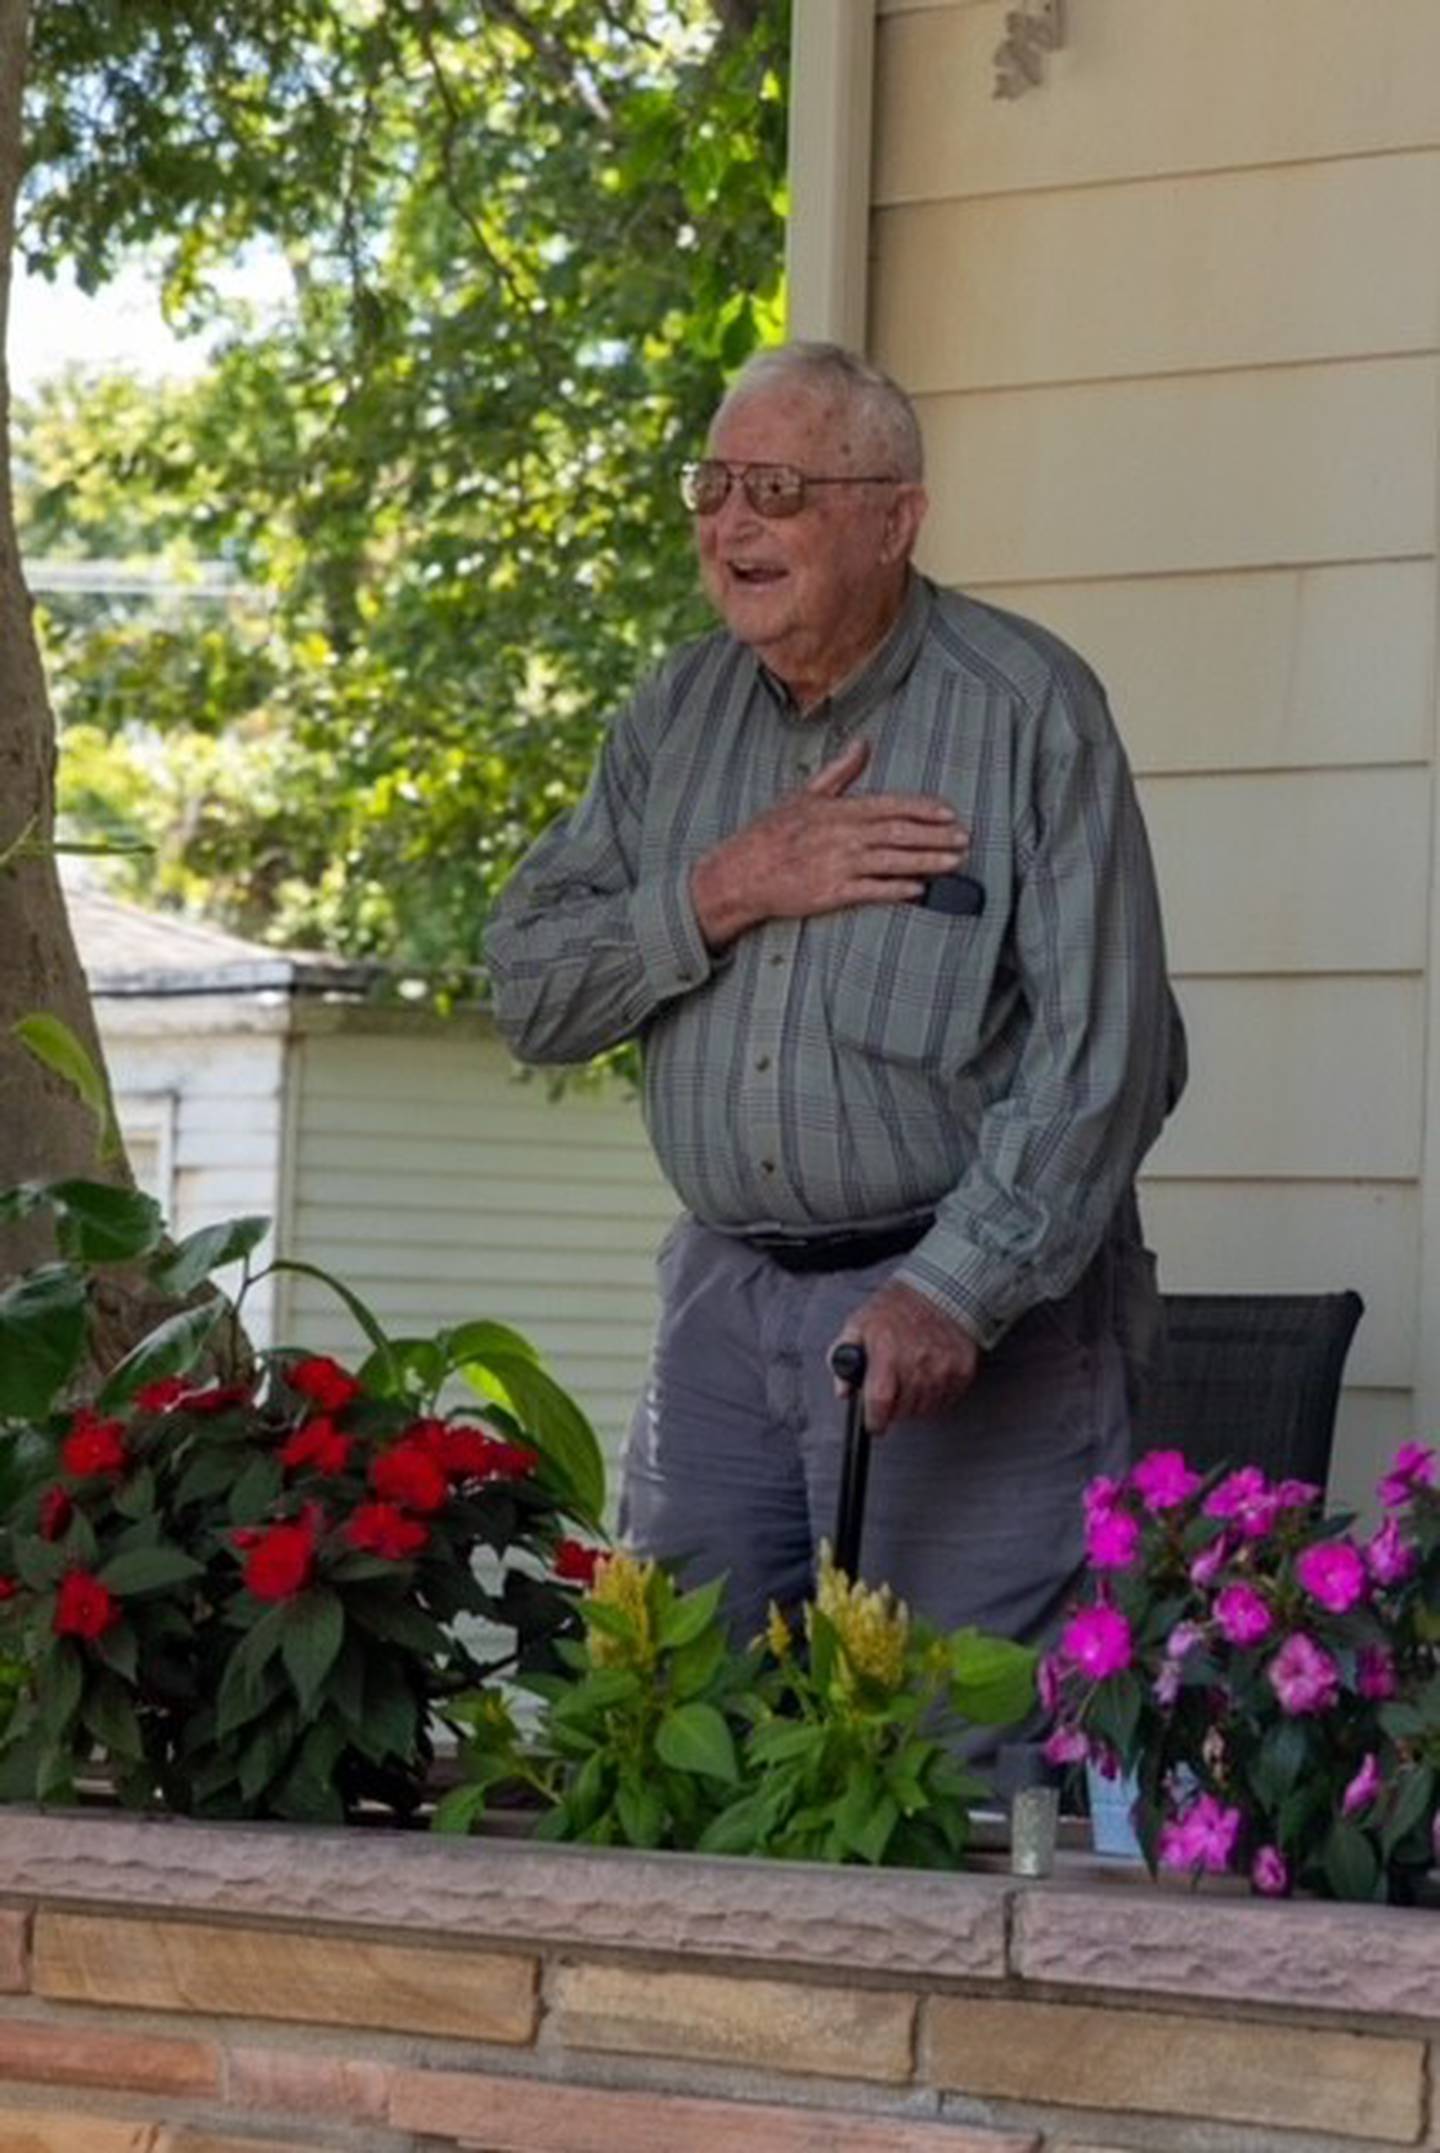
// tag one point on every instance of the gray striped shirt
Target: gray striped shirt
(1006, 1071)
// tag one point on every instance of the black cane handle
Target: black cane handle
(847, 1360)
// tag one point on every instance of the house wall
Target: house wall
(1172, 319)
(443, 1187)
(199, 1087)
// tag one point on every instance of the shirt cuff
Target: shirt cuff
(983, 1295)
(672, 949)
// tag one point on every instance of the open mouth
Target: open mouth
(755, 573)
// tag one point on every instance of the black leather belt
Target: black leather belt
(839, 1251)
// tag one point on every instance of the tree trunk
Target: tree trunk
(45, 1130)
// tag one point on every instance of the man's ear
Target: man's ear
(903, 519)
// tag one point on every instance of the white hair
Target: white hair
(880, 406)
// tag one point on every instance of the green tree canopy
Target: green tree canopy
(526, 243)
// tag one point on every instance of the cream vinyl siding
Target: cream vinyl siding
(442, 1187)
(1172, 319)
(215, 1100)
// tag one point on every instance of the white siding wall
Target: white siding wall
(221, 1092)
(443, 1187)
(1173, 320)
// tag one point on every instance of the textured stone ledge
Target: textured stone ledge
(1365, 1961)
(774, 1913)
(1102, 1931)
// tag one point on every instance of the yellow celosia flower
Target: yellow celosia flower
(623, 1583)
(777, 1633)
(873, 1627)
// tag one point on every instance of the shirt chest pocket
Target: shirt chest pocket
(910, 986)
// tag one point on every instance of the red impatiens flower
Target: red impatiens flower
(319, 1444)
(280, 1560)
(172, 1393)
(473, 1454)
(93, 1445)
(407, 1473)
(161, 1396)
(9, 1586)
(382, 1529)
(325, 1382)
(575, 1564)
(513, 1461)
(84, 1607)
(56, 1511)
(215, 1397)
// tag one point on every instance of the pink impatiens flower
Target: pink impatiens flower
(1270, 1873)
(1363, 1788)
(1243, 1615)
(1303, 1677)
(1412, 1467)
(1295, 1494)
(1048, 1671)
(1112, 1540)
(1210, 1562)
(1183, 1639)
(1375, 1675)
(1247, 1500)
(1098, 1642)
(1202, 1838)
(1067, 1745)
(1333, 1573)
(1166, 1686)
(1163, 1480)
(1389, 1556)
(1101, 1495)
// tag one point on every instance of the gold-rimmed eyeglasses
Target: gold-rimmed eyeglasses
(772, 489)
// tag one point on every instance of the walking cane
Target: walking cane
(847, 1360)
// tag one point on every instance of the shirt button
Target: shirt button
(777, 956)
(762, 1061)
(767, 1166)
(804, 769)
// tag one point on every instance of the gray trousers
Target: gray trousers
(733, 1459)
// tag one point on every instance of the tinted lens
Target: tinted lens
(774, 489)
(703, 486)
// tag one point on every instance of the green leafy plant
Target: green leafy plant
(245, 1591)
(837, 1744)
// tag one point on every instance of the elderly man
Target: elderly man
(864, 873)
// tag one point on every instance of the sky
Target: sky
(52, 324)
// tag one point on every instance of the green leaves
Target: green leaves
(42, 1336)
(992, 1681)
(148, 1569)
(209, 1249)
(98, 1224)
(498, 1363)
(310, 1641)
(170, 1349)
(52, 1042)
(694, 1738)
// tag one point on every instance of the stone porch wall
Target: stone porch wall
(176, 1988)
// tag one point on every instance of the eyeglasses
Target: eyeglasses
(772, 489)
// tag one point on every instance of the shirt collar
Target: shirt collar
(877, 677)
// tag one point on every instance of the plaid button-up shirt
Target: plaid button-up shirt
(1006, 1071)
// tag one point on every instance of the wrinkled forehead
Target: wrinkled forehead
(791, 422)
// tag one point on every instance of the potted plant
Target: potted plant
(253, 1591)
(1270, 1680)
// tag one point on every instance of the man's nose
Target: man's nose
(735, 512)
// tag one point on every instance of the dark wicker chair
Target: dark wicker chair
(1252, 1379)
